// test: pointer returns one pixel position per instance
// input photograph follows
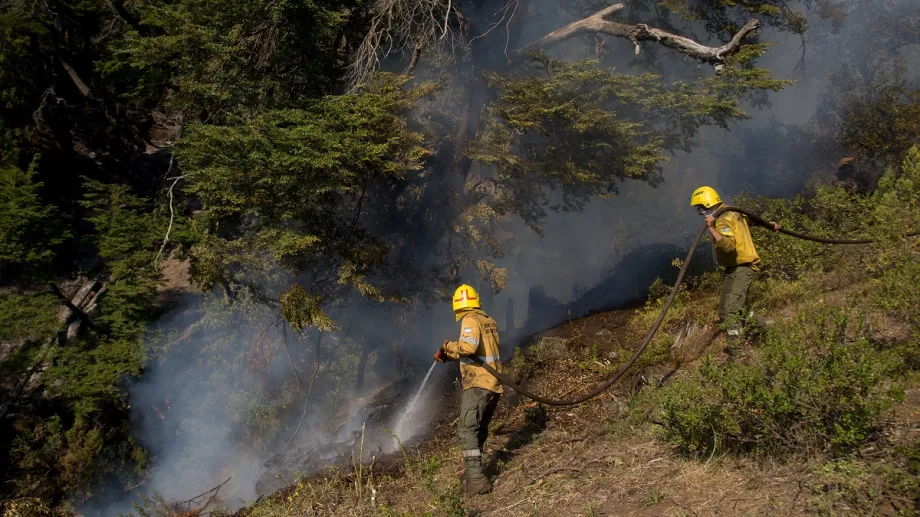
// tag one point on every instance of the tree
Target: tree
(294, 188)
(29, 232)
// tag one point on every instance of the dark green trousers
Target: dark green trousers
(477, 405)
(735, 288)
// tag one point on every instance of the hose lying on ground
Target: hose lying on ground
(664, 311)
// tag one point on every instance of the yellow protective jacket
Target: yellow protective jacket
(736, 247)
(478, 336)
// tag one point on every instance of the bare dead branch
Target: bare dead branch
(215, 491)
(12, 399)
(37, 116)
(493, 25)
(84, 89)
(212, 492)
(172, 214)
(598, 24)
(261, 351)
(591, 24)
(76, 311)
(397, 26)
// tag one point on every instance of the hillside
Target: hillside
(819, 416)
(231, 232)
(606, 457)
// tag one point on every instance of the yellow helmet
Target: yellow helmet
(707, 197)
(465, 297)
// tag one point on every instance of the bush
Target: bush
(819, 384)
(892, 210)
(830, 212)
(864, 484)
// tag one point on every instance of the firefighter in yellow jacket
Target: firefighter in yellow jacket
(481, 391)
(736, 253)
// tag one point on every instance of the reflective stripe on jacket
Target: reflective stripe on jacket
(478, 336)
(736, 247)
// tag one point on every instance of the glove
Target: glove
(441, 356)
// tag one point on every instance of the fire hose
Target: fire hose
(664, 311)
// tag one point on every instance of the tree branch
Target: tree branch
(195, 500)
(73, 308)
(598, 24)
(84, 89)
(172, 214)
(413, 61)
(127, 16)
(306, 397)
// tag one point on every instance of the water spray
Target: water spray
(397, 431)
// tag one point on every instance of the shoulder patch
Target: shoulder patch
(467, 330)
(725, 229)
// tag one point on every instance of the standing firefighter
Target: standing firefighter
(481, 391)
(736, 253)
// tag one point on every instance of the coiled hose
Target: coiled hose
(664, 311)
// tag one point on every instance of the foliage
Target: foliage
(819, 385)
(720, 16)
(32, 36)
(291, 185)
(86, 436)
(126, 236)
(830, 212)
(29, 234)
(31, 507)
(28, 318)
(579, 129)
(218, 60)
(821, 382)
(788, 259)
(879, 120)
(51, 457)
(293, 200)
(865, 483)
(89, 372)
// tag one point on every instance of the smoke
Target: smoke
(204, 418)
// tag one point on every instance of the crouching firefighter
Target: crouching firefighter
(481, 391)
(736, 253)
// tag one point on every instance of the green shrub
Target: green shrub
(864, 484)
(818, 384)
(897, 291)
(829, 212)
